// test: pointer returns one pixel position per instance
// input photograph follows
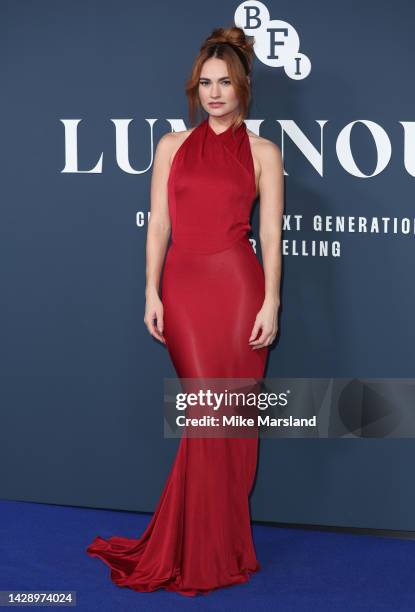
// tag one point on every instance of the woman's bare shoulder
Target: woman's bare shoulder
(265, 149)
(172, 141)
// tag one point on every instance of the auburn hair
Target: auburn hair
(237, 50)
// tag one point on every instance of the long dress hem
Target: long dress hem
(170, 582)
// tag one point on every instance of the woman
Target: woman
(217, 315)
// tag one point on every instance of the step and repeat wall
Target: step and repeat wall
(88, 90)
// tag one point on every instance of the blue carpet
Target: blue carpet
(43, 548)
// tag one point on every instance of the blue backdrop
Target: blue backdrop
(88, 90)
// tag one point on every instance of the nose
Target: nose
(215, 92)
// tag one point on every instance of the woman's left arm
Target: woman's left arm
(271, 190)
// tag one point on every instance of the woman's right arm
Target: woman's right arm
(158, 233)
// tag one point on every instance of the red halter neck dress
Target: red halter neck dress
(199, 537)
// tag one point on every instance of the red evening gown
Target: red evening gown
(199, 537)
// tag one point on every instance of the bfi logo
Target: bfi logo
(277, 43)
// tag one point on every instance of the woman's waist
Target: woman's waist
(235, 260)
(209, 241)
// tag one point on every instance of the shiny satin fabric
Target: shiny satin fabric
(211, 189)
(199, 537)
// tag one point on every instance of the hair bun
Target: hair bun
(233, 35)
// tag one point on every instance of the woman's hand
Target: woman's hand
(266, 321)
(153, 317)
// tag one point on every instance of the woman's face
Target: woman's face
(215, 86)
